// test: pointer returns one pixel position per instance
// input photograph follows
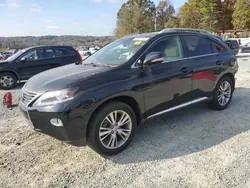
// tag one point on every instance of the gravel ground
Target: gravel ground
(193, 147)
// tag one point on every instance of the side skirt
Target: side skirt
(179, 106)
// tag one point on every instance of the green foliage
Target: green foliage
(164, 13)
(190, 14)
(209, 14)
(241, 15)
(172, 23)
(135, 16)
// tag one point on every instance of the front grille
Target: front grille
(27, 96)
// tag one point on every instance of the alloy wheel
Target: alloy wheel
(115, 129)
(225, 92)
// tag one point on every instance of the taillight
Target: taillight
(81, 60)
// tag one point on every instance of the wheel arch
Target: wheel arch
(231, 76)
(11, 71)
(125, 99)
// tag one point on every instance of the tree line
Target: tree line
(140, 16)
(28, 41)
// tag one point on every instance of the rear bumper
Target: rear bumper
(73, 130)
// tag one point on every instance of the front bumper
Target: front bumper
(73, 130)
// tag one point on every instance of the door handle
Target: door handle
(185, 70)
(218, 62)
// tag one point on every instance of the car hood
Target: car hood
(62, 77)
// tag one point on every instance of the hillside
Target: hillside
(27, 41)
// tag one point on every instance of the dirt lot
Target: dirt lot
(194, 147)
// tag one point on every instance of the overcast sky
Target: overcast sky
(60, 17)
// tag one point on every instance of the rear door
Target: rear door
(66, 56)
(205, 64)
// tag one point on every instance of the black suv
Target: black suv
(134, 78)
(30, 61)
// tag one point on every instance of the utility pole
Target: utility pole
(155, 19)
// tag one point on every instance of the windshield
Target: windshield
(14, 56)
(118, 52)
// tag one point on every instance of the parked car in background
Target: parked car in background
(245, 48)
(2, 57)
(30, 61)
(104, 99)
(234, 45)
(6, 54)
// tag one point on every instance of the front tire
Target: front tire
(223, 93)
(112, 128)
(7, 80)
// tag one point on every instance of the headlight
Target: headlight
(55, 97)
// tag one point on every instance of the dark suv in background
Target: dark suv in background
(30, 61)
(129, 80)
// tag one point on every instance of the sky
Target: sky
(61, 17)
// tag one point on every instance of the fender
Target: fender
(12, 71)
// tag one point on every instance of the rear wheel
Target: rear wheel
(222, 94)
(112, 128)
(7, 80)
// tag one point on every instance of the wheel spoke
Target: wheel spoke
(107, 118)
(227, 94)
(103, 138)
(226, 85)
(121, 135)
(105, 129)
(112, 118)
(110, 140)
(114, 141)
(225, 100)
(124, 133)
(221, 87)
(124, 120)
(105, 133)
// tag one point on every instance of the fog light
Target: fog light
(56, 122)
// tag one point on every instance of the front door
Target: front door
(35, 61)
(167, 84)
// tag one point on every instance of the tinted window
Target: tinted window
(171, 47)
(197, 46)
(49, 53)
(31, 55)
(64, 52)
(218, 48)
(45, 53)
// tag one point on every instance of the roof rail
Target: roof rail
(186, 30)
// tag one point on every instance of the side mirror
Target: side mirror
(23, 59)
(154, 58)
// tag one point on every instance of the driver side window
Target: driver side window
(31, 55)
(171, 48)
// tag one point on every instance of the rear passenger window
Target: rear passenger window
(197, 46)
(49, 53)
(59, 52)
(218, 48)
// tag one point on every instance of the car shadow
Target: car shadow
(188, 131)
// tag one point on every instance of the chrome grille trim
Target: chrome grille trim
(27, 96)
